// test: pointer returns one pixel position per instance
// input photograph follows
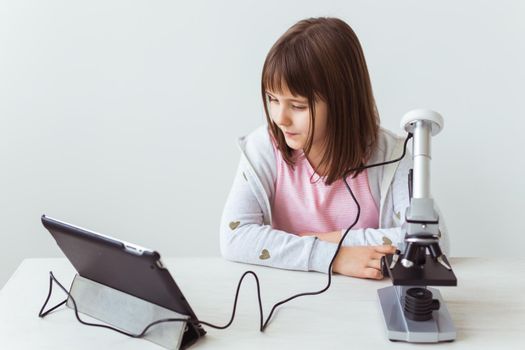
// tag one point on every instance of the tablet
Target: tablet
(124, 266)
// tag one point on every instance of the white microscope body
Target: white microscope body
(409, 310)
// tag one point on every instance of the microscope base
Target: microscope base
(439, 328)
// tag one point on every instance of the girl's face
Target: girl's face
(292, 115)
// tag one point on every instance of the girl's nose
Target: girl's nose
(281, 116)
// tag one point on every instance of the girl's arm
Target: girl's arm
(333, 237)
(359, 237)
(244, 237)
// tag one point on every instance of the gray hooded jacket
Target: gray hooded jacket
(246, 232)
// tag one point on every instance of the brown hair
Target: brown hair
(322, 58)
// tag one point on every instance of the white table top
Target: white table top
(487, 307)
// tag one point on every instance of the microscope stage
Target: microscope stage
(432, 273)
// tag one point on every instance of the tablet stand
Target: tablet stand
(126, 312)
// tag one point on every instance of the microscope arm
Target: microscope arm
(422, 220)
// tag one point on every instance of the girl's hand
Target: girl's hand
(356, 261)
(361, 261)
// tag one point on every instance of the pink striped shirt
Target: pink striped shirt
(302, 205)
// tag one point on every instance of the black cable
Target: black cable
(197, 322)
(346, 232)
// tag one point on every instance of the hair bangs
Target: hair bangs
(285, 69)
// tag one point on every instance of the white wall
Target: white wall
(122, 116)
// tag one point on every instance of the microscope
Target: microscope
(412, 311)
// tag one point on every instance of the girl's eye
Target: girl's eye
(271, 99)
(300, 108)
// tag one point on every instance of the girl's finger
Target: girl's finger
(372, 273)
(376, 255)
(385, 249)
(374, 263)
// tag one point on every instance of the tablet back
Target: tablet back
(122, 266)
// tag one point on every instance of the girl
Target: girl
(288, 206)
